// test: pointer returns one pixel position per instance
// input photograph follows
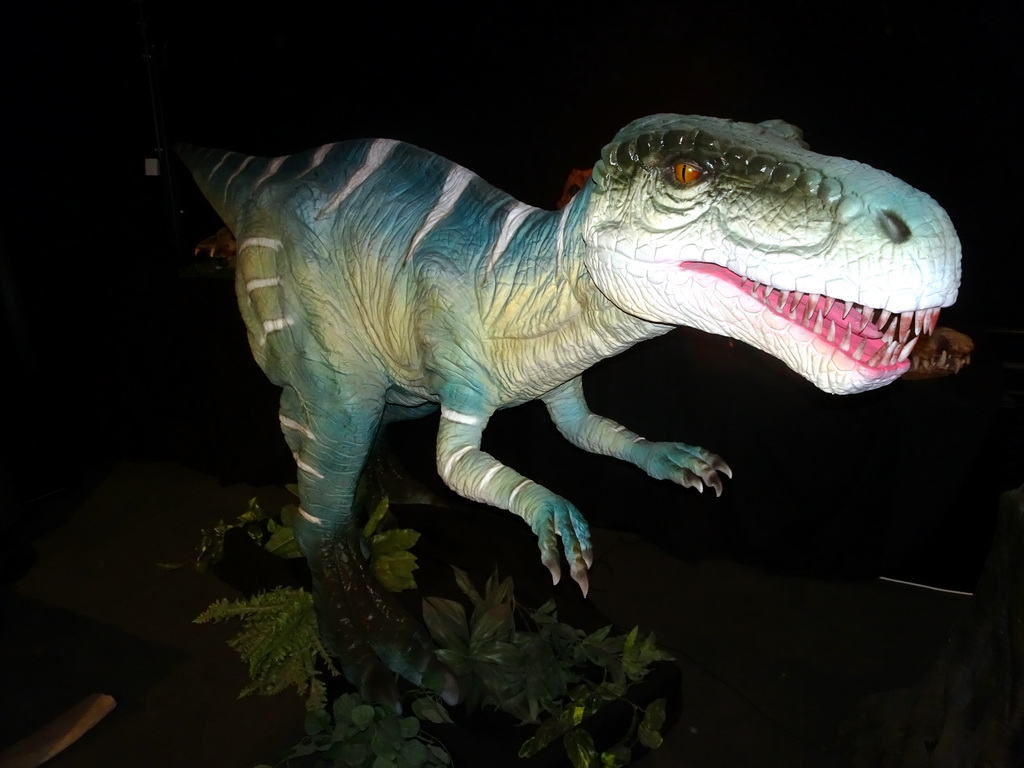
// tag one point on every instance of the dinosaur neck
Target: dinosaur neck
(544, 312)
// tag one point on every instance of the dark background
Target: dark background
(109, 353)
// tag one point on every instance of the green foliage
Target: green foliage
(278, 641)
(537, 668)
(357, 734)
(538, 674)
(390, 558)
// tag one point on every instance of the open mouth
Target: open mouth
(870, 337)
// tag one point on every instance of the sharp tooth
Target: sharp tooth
(782, 302)
(812, 306)
(865, 319)
(819, 324)
(907, 349)
(890, 332)
(906, 320)
(797, 298)
(859, 353)
(919, 319)
(829, 301)
(831, 332)
(847, 308)
(933, 320)
(883, 318)
(942, 359)
(845, 343)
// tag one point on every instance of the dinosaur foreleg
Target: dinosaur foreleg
(477, 475)
(361, 625)
(687, 465)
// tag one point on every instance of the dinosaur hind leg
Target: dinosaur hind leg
(360, 623)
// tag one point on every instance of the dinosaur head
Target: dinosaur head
(738, 229)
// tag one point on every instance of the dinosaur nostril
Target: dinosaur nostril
(894, 226)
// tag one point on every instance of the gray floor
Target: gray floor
(770, 665)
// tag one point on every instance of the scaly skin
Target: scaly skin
(378, 281)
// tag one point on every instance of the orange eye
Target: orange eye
(687, 174)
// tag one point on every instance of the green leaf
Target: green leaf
(317, 722)
(618, 756)
(494, 623)
(650, 738)
(413, 754)
(579, 746)
(393, 540)
(410, 727)
(465, 584)
(440, 754)
(654, 715)
(378, 514)
(361, 716)
(282, 542)
(394, 572)
(430, 710)
(446, 622)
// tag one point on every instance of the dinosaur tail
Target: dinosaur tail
(221, 175)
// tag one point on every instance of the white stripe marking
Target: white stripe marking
(453, 458)
(516, 490)
(318, 158)
(271, 170)
(260, 242)
(458, 418)
(219, 164)
(233, 175)
(306, 468)
(560, 241)
(307, 516)
(294, 425)
(379, 151)
(455, 183)
(489, 476)
(277, 324)
(514, 219)
(262, 282)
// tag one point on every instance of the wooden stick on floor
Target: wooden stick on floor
(59, 734)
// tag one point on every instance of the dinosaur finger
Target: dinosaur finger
(578, 570)
(719, 465)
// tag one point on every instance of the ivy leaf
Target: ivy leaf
(317, 722)
(361, 716)
(430, 710)
(579, 746)
(282, 542)
(446, 622)
(618, 756)
(654, 716)
(649, 733)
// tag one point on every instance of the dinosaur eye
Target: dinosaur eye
(687, 173)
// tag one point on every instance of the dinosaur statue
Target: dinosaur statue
(379, 282)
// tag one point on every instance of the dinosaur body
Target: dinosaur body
(378, 281)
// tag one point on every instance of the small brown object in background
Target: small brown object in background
(219, 246)
(573, 184)
(943, 353)
(59, 734)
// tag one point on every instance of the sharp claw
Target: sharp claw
(588, 557)
(579, 575)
